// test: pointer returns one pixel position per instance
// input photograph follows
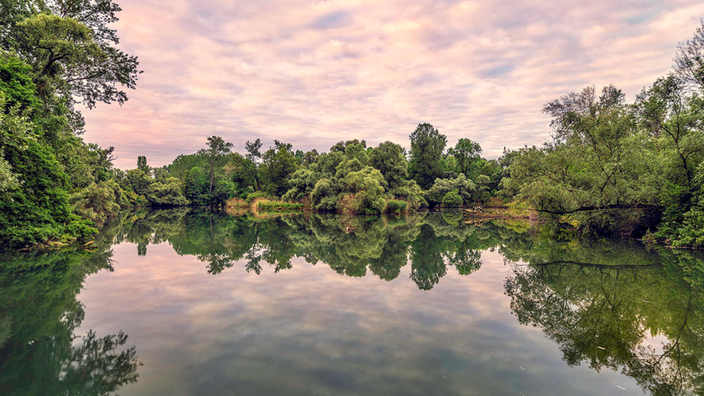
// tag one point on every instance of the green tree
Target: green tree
(72, 51)
(215, 152)
(467, 154)
(277, 167)
(390, 159)
(427, 147)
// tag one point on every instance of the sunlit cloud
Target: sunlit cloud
(316, 72)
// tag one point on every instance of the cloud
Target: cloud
(316, 72)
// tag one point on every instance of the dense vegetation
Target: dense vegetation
(612, 167)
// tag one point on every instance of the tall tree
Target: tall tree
(142, 164)
(389, 158)
(253, 150)
(689, 61)
(427, 147)
(277, 167)
(217, 149)
(72, 50)
(468, 155)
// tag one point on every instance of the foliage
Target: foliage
(277, 167)
(72, 54)
(427, 146)
(256, 195)
(396, 206)
(273, 205)
(452, 200)
(366, 189)
(55, 188)
(464, 188)
(467, 155)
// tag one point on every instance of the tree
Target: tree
(389, 158)
(142, 164)
(689, 60)
(217, 149)
(242, 172)
(461, 186)
(253, 150)
(427, 146)
(309, 157)
(71, 49)
(467, 153)
(277, 167)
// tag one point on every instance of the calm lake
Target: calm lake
(174, 302)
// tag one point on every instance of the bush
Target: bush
(462, 186)
(691, 232)
(259, 194)
(272, 205)
(396, 206)
(324, 197)
(452, 200)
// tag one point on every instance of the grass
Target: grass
(266, 204)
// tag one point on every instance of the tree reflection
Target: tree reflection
(602, 307)
(39, 354)
(609, 304)
(348, 245)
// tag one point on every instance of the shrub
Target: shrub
(464, 187)
(259, 194)
(396, 206)
(264, 204)
(324, 197)
(452, 200)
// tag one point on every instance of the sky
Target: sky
(313, 73)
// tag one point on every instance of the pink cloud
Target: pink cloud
(315, 72)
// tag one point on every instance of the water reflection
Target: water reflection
(39, 353)
(348, 245)
(606, 304)
(599, 305)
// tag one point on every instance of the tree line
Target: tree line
(612, 167)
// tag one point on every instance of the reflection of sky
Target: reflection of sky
(311, 331)
(315, 72)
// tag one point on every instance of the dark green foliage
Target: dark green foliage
(463, 187)
(389, 158)
(616, 168)
(243, 174)
(427, 147)
(277, 167)
(452, 200)
(72, 53)
(55, 188)
(16, 84)
(467, 155)
(396, 206)
(35, 207)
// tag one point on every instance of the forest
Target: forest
(612, 167)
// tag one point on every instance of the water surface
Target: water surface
(188, 303)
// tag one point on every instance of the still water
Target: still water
(190, 303)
